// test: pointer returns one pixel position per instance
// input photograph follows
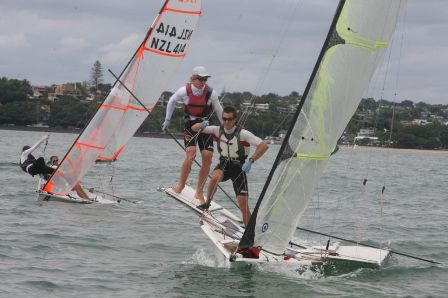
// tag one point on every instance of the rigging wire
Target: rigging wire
(261, 80)
(372, 246)
(251, 107)
(402, 27)
(45, 146)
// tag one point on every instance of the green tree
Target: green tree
(406, 104)
(96, 75)
(19, 112)
(444, 137)
(68, 111)
(14, 90)
(422, 137)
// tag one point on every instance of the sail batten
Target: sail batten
(355, 43)
(117, 119)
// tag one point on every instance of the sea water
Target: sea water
(154, 247)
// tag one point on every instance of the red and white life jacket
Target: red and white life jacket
(198, 105)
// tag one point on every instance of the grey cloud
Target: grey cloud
(57, 41)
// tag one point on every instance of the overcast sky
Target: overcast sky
(258, 46)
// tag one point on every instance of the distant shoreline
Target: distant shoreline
(159, 135)
(439, 151)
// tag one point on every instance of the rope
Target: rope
(367, 245)
(251, 108)
(381, 196)
(45, 147)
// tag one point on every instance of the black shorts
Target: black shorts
(39, 167)
(232, 170)
(191, 138)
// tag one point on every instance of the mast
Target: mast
(248, 237)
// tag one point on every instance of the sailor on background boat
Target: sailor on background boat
(30, 164)
(233, 162)
(199, 100)
(54, 162)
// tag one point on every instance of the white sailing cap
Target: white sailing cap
(200, 71)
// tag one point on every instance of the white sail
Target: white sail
(146, 76)
(354, 47)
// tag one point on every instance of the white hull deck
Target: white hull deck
(71, 197)
(225, 230)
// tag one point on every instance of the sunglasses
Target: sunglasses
(202, 79)
(227, 119)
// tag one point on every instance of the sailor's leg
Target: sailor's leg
(241, 190)
(217, 177)
(203, 173)
(80, 191)
(205, 144)
(39, 167)
(190, 154)
(243, 202)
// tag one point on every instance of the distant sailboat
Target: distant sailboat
(357, 39)
(121, 114)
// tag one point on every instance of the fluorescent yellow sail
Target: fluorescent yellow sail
(354, 47)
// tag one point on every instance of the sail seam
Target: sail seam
(89, 145)
(105, 105)
(182, 11)
(164, 53)
(365, 45)
(312, 156)
(139, 109)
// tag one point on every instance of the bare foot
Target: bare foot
(177, 189)
(200, 198)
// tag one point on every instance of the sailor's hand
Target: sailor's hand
(204, 124)
(165, 125)
(247, 165)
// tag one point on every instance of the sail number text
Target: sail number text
(175, 42)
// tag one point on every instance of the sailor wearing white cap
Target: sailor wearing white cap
(199, 101)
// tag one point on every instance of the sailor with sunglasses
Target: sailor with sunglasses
(233, 145)
(200, 101)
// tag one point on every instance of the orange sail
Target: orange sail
(147, 74)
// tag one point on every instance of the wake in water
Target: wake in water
(204, 258)
(210, 259)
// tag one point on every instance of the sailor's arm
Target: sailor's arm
(25, 153)
(35, 146)
(171, 105)
(252, 139)
(217, 107)
(208, 129)
(259, 151)
(177, 96)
